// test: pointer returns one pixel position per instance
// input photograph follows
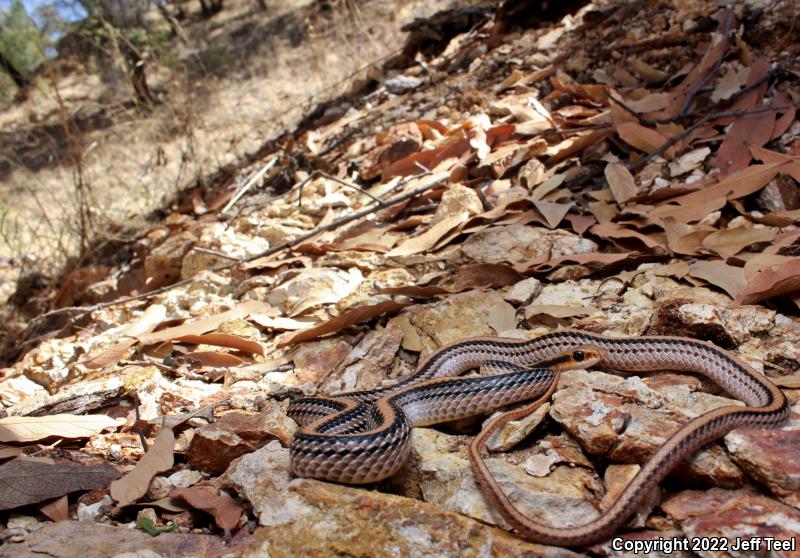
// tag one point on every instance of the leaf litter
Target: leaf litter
(673, 163)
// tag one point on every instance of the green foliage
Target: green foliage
(20, 40)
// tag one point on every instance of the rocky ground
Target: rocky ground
(628, 169)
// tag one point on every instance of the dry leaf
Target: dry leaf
(215, 359)
(203, 325)
(644, 139)
(225, 340)
(135, 483)
(557, 310)
(627, 238)
(553, 213)
(56, 510)
(226, 510)
(772, 281)
(621, 182)
(34, 429)
(7, 452)
(351, 317)
(791, 382)
(146, 323)
(728, 278)
(699, 204)
(30, 480)
(728, 242)
(749, 129)
(281, 323)
(592, 258)
(430, 237)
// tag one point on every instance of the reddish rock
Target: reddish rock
(215, 445)
(739, 516)
(772, 457)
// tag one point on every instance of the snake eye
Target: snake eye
(578, 355)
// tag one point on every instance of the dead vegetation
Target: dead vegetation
(629, 169)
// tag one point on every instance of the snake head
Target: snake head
(576, 358)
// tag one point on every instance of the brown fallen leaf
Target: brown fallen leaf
(685, 239)
(767, 157)
(454, 147)
(30, 480)
(7, 452)
(791, 382)
(430, 237)
(485, 275)
(576, 144)
(225, 340)
(206, 323)
(473, 276)
(749, 129)
(700, 72)
(729, 242)
(135, 483)
(552, 212)
(628, 238)
(56, 510)
(696, 205)
(643, 138)
(772, 281)
(226, 511)
(215, 359)
(728, 278)
(282, 323)
(621, 182)
(350, 317)
(557, 310)
(146, 323)
(592, 258)
(33, 429)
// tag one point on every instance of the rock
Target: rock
(304, 517)
(20, 389)
(185, 478)
(315, 360)
(214, 446)
(446, 479)
(627, 420)
(780, 194)
(401, 84)
(692, 319)
(90, 512)
(522, 245)
(367, 365)
(514, 431)
(86, 539)
(463, 315)
(523, 291)
(314, 287)
(554, 450)
(457, 199)
(734, 514)
(772, 457)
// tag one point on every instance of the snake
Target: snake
(364, 436)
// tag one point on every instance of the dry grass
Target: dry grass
(242, 78)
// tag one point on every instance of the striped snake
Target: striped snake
(364, 436)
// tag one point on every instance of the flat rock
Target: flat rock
(521, 245)
(627, 420)
(86, 539)
(302, 517)
(561, 497)
(734, 514)
(772, 457)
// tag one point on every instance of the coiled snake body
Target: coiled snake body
(363, 437)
